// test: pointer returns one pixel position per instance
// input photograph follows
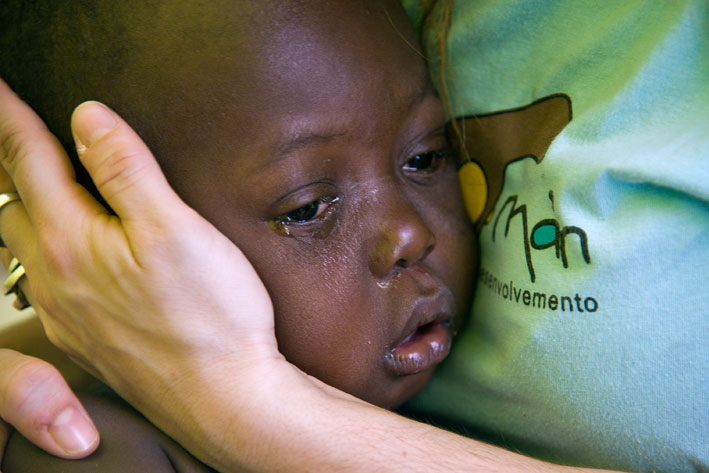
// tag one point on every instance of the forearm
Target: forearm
(295, 423)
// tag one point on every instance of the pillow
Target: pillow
(585, 128)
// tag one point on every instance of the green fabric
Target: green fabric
(614, 372)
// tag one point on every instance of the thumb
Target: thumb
(121, 165)
(36, 400)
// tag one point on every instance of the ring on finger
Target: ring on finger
(15, 272)
(6, 198)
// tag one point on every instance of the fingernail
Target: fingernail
(73, 432)
(91, 121)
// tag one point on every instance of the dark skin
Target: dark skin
(331, 120)
(313, 139)
(398, 221)
(308, 133)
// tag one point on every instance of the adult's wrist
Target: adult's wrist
(240, 418)
(292, 422)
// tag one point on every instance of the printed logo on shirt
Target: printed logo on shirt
(494, 141)
(546, 233)
(491, 143)
(531, 297)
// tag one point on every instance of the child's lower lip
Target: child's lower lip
(424, 348)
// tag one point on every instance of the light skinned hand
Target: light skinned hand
(131, 296)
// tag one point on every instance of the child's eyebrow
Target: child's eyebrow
(295, 141)
(304, 139)
(427, 90)
(306, 136)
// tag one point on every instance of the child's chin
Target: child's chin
(404, 388)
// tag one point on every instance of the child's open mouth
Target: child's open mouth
(423, 348)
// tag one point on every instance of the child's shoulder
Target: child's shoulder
(128, 443)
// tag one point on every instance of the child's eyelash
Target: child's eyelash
(310, 211)
(428, 161)
(422, 164)
(315, 210)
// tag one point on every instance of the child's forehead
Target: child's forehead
(251, 59)
(202, 47)
(218, 76)
(261, 27)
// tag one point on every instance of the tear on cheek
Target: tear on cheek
(390, 278)
(280, 227)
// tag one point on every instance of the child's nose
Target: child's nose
(401, 238)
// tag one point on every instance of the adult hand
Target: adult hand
(149, 299)
(36, 400)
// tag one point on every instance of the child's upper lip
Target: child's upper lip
(437, 308)
(432, 299)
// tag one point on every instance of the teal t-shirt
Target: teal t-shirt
(587, 129)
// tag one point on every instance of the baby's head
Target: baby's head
(306, 131)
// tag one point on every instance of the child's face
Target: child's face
(326, 163)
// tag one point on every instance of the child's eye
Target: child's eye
(309, 211)
(428, 161)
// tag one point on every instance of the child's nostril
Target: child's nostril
(402, 263)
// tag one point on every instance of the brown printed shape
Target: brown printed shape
(493, 141)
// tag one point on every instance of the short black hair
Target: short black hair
(59, 53)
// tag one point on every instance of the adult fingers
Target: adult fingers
(36, 400)
(38, 165)
(121, 165)
(16, 230)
